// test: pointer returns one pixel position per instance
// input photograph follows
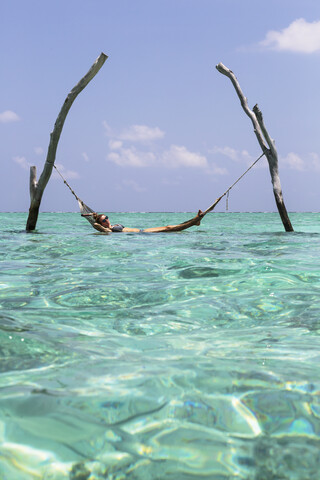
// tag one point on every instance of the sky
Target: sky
(159, 128)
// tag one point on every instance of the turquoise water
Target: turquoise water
(160, 356)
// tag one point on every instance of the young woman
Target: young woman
(102, 224)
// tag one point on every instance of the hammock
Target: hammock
(84, 209)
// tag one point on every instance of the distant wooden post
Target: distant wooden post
(265, 141)
(37, 188)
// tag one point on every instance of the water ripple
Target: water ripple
(160, 356)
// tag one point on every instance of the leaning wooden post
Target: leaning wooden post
(37, 188)
(266, 143)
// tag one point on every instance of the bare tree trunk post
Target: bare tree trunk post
(37, 188)
(266, 143)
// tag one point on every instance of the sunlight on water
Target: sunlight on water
(165, 356)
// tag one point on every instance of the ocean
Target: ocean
(191, 355)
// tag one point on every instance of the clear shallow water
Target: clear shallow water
(166, 356)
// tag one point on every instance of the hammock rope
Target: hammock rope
(241, 176)
(209, 209)
(85, 209)
(66, 183)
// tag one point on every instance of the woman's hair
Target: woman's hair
(98, 217)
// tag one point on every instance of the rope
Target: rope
(209, 209)
(227, 191)
(66, 183)
(253, 164)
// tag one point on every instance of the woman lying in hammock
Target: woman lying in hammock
(102, 224)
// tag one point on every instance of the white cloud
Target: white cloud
(309, 163)
(179, 156)
(22, 162)
(135, 133)
(216, 170)
(38, 150)
(132, 158)
(240, 156)
(235, 155)
(227, 152)
(141, 133)
(245, 155)
(123, 154)
(315, 161)
(293, 161)
(176, 156)
(108, 130)
(115, 144)
(85, 156)
(300, 36)
(9, 116)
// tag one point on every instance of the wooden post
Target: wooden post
(266, 143)
(37, 188)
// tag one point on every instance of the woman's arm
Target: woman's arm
(100, 228)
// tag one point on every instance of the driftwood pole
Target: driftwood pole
(266, 143)
(37, 188)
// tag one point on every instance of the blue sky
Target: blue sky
(159, 129)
